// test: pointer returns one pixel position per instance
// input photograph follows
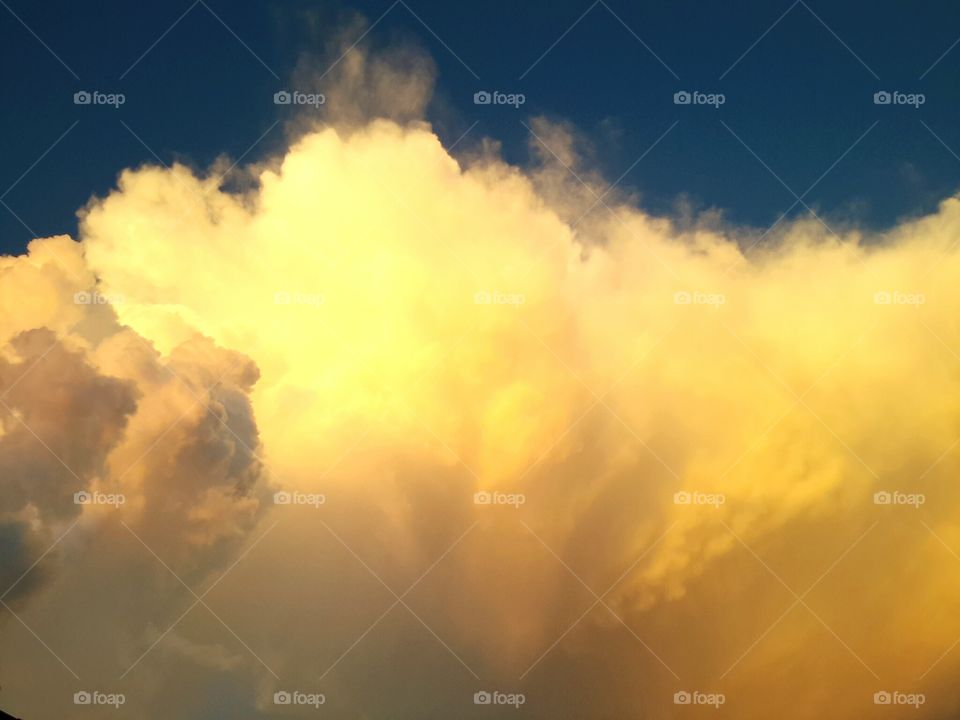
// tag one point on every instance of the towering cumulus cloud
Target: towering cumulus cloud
(521, 440)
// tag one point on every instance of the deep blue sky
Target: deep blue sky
(799, 99)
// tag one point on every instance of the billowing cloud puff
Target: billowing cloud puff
(100, 433)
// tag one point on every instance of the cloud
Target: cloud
(100, 433)
(691, 433)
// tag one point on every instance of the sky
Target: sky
(798, 79)
(429, 360)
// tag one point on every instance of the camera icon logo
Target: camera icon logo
(82, 298)
(482, 498)
(482, 98)
(682, 98)
(282, 498)
(682, 298)
(882, 498)
(682, 498)
(682, 697)
(882, 98)
(482, 698)
(882, 698)
(82, 98)
(282, 97)
(282, 697)
(282, 298)
(481, 297)
(82, 497)
(82, 698)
